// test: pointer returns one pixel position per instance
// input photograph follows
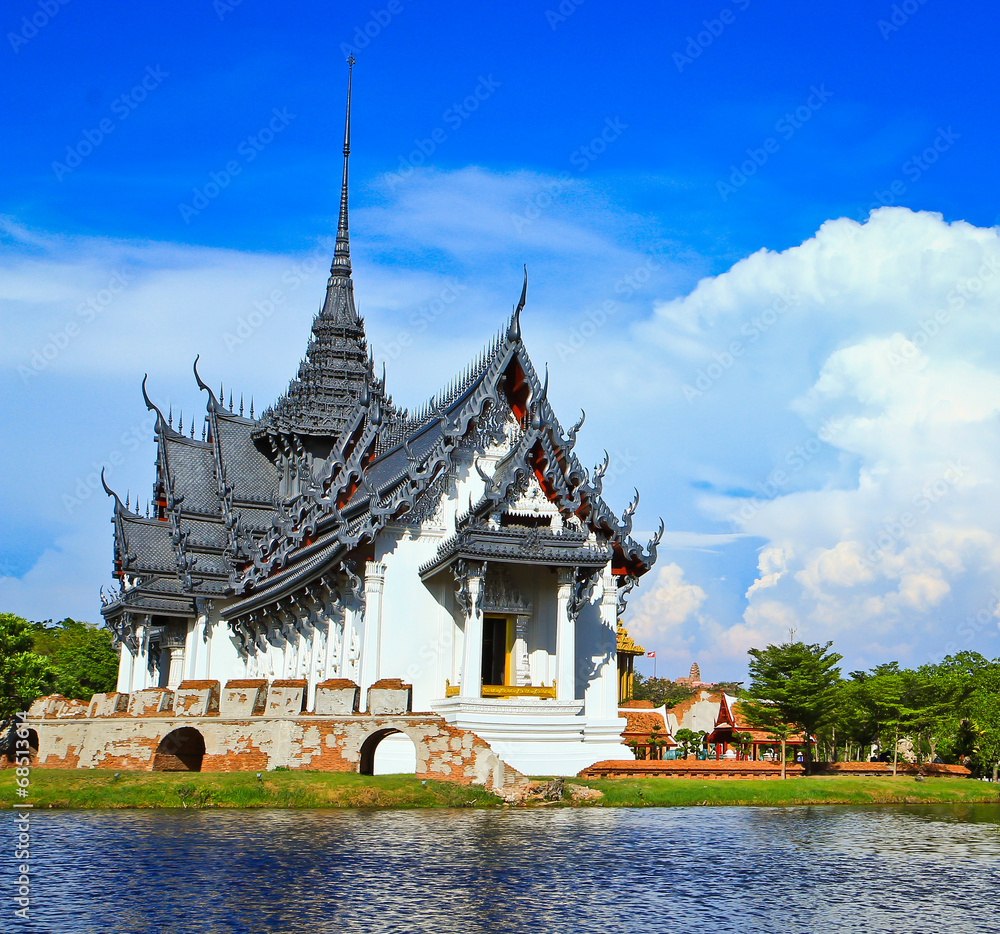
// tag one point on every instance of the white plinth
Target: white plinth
(537, 736)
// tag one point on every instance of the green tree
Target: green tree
(983, 708)
(689, 741)
(780, 733)
(660, 691)
(743, 742)
(934, 696)
(793, 683)
(81, 655)
(23, 674)
(883, 694)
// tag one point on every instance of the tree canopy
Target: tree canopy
(24, 675)
(84, 661)
(793, 683)
(948, 711)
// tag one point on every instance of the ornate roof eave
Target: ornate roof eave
(517, 546)
(141, 600)
(288, 581)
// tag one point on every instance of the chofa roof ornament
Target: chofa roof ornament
(514, 329)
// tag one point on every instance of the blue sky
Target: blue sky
(637, 157)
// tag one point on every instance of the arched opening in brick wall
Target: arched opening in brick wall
(15, 748)
(180, 751)
(388, 752)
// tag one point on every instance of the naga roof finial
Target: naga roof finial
(213, 400)
(342, 252)
(514, 330)
(536, 419)
(119, 506)
(161, 423)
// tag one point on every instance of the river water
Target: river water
(745, 870)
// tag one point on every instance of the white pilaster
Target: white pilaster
(522, 671)
(602, 692)
(192, 646)
(314, 673)
(374, 585)
(333, 645)
(126, 665)
(472, 663)
(565, 638)
(350, 650)
(140, 664)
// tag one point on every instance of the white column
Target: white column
(602, 693)
(565, 638)
(472, 659)
(333, 639)
(348, 657)
(522, 673)
(314, 675)
(201, 645)
(140, 663)
(126, 664)
(371, 648)
(191, 648)
(176, 673)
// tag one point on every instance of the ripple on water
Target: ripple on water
(747, 870)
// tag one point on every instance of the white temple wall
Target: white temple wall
(417, 630)
(596, 662)
(224, 662)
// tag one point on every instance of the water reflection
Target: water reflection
(784, 870)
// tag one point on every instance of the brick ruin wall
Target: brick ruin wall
(256, 725)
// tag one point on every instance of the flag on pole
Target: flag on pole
(651, 655)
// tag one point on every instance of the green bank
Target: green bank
(52, 788)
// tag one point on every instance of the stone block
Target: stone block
(104, 705)
(47, 706)
(243, 698)
(337, 697)
(73, 709)
(389, 696)
(197, 698)
(150, 701)
(38, 707)
(286, 698)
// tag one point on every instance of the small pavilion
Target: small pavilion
(627, 652)
(730, 720)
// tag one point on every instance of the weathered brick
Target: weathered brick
(336, 697)
(243, 698)
(389, 696)
(197, 698)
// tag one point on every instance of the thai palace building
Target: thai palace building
(460, 551)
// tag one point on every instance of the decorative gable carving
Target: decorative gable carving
(501, 596)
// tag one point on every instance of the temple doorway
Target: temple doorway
(498, 643)
(180, 751)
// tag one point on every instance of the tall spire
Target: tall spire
(320, 400)
(338, 308)
(342, 254)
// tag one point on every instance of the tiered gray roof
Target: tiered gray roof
(219, 530)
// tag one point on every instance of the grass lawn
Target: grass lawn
(833, 789)
(73, 788)
(86, 788)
